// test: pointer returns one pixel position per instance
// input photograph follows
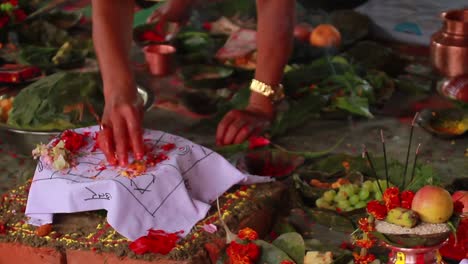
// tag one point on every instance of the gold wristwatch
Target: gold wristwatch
(274, 93)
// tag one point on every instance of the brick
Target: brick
(89, 257)
(21, 254)
(214, 247)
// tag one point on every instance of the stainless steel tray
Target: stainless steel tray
(24, 140)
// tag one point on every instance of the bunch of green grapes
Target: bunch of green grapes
(351, 196)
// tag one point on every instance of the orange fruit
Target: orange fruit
(325, 35)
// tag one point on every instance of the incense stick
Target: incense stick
(366, 154)
(409, 149)
(414, 163)
(385, 155)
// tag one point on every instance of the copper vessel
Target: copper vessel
(449, 46)
(160, 59)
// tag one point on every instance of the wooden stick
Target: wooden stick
(385, 156)
(409, 149)
(414, 163)
(366, 154)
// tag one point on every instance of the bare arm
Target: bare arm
(112, 36)
(275, 29)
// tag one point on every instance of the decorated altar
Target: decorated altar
(363, 122)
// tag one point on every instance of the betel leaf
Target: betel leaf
(270, 254)
(354, 104)
(292, 244)
(57, 102)
(299, 112)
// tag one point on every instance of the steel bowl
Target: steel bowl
(23, 141)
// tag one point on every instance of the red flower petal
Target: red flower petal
(157, 241)
(406, 199)
(377, 209)
(168, 147)
(258, 142)
(141, 245)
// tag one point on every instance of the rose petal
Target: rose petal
(210, 228)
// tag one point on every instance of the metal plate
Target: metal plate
(25, 140)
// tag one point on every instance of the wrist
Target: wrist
(261, 104)
(119, 89)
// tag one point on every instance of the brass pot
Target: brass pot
(449, 46)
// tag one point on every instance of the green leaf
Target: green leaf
(298, 113)
(316, 154)
(354, 104)
(293, 245)
(331, 219)
(307, 190)
(233, 149)
(271, 254)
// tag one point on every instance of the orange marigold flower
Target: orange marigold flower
(364, 243)
(391, 198)
(239, 252)
(377, 209)
(366, 259)
(247, 234)
(365, 226)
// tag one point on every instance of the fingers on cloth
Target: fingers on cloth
(106, 144)
(135, 132)
(119, 128)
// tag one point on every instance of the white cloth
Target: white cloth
(408, 21)
(172, 196)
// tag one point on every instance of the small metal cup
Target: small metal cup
(160, 59)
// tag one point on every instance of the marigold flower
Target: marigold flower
(365, 226)
(364, 243)
(366, 259)
(239, 253)
(377, 209)
(247, 234)
(406, 199)
(391, 198)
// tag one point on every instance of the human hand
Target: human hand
(239, 125)
(121, 129)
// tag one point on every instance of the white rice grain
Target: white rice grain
(420, 229)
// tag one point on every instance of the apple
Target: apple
(461, 196)
(433, 204)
